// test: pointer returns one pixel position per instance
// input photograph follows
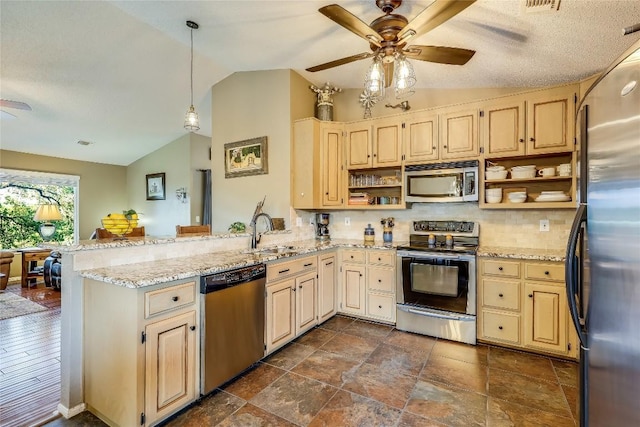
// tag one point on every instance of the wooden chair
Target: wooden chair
(103, 233)
(193, 230)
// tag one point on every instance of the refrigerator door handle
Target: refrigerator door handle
(571, 264)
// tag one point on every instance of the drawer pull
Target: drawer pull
(193, 328)
(546, 272)
(379, 280)
(530, 295)
(361, 275)
(329, 263)
(308, 264)
(379, 259)
(500, 268)
(379, 306)
(500, 327)
(175, 299)
(500, 295)
(283, 271)
(351, 256)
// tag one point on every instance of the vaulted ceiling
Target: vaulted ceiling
(116, 73)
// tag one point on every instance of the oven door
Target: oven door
(437, 281)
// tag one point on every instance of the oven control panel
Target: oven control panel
(463, 227)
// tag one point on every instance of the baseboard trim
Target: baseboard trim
(71, 412)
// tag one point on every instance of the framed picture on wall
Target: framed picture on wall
(244, 158)
(156, 186)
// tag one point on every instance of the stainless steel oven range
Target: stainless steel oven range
(436, 280)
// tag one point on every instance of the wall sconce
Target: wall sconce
(181, 194)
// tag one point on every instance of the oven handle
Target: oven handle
(426, 255)
(429, 313)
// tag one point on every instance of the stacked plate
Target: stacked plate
(496, 172)
(523, 172)
(517, 196)
(552, 196)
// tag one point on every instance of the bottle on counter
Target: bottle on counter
(369, 235)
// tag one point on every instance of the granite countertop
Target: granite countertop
(156, 272)
(558, 255)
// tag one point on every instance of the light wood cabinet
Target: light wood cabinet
(374, 143)
(358, 145)
(291, 300)
(327, 286)
(141, 351)
(368, 284)
(530, 124)
(522, 304)
(459, 134)
(421, 137)
(317, 171)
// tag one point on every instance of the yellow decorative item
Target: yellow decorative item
(120, 224)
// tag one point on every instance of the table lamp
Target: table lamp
(47, 213)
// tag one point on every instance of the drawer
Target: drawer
(501, 268)
(501, 294)
(546, 272)
(382, 279)
(501, 326)
(161, 300)
(288, 268)
(381, 306)
(382, 257)
(353, 256)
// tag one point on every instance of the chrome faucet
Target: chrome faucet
(255, 238)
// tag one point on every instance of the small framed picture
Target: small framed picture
(244, 158)
(155, 186)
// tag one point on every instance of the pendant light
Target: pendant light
(191, 121)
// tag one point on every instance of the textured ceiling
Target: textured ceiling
(116, 73)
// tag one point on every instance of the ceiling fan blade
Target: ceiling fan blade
(388, 73)
(439, 54)
(343, 17)
(340, 61)
(14, 104)
(435, 14)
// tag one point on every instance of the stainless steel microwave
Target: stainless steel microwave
(442, 182)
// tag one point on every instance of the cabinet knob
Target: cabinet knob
(530, 295)
(444, 146)
(521, 140)
(532, 139)
(193, 328)
(294, 289)
(175, 298)
(500, 327)
(500, 295)
(368, 156)
(361, 275)
(374, 155)
(500, 268)
(327, 193)
(433, 148)
(546, 273)
(379, 306)
(351, 256)
(379, 259)
(300, 286)
(379, 281)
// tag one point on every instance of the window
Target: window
(20, 194)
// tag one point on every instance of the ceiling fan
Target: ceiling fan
(388, 35)
(5, 103)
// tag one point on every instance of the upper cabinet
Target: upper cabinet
(529, 124)
(317, 165)
(374, 144)
(421, 137)
(459, 134)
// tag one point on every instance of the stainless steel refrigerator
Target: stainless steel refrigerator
(603, 253)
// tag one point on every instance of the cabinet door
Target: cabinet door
(305, 291)
(459, 134)
(331, 165)
(545, 317)
(326, 288)
(421, 138)
(550, 122)
(503, 129)
(170, 360)
(281, 326)
(358, 145)
(353, 289)
(387, 143)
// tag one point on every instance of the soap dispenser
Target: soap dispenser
(369, 235)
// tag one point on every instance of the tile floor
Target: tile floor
(348, 372)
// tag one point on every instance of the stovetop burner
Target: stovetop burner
(433, 236)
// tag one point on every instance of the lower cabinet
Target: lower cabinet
(523, 304)
(291, 298)
(327, 286)
(368, 284)
(141, 351)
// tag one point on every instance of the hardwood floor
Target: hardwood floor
(30, 360)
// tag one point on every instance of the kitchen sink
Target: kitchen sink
(273, 250)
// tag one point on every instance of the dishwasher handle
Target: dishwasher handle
(227, 279)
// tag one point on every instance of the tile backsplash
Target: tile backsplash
(518, 228)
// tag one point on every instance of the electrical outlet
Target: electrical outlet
(544, 225)
(347, 220)
(311, 220)
(298, 222)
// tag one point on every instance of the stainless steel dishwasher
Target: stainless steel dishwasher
(232, 319)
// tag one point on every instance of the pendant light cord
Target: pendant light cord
(192, 66)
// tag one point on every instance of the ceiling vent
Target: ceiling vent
(537, 6)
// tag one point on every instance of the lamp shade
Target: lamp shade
(47, 212)
(374, 80)
(405, 77)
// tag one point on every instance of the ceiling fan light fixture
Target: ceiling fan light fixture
(404, 77)
(191, 121)
(374, 80)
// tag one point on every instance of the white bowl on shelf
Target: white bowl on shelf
(495, 168)
(493, 195)
(517, 197)
(498, 174)
(523, 173)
